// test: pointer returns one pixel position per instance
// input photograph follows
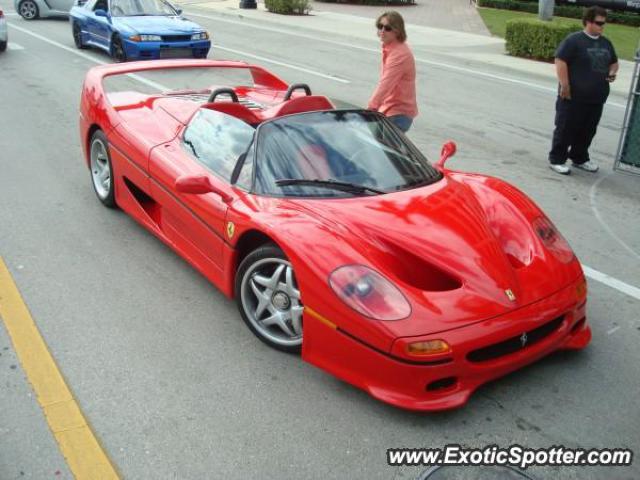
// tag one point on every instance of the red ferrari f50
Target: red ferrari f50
(335, 235)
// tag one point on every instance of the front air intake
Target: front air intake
(515, 344)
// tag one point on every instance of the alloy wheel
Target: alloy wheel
(270, 300)
(100, 169)
(28, 9)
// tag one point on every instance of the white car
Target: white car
(31, 9)
(4, 36)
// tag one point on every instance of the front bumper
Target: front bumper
(444, 385)
(158, 50)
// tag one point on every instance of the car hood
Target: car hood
(448, 247)
(158, 25)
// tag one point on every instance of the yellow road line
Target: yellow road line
(78, 444)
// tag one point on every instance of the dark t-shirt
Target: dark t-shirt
(588, 60)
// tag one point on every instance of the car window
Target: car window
(216, 140)
(101, 5)
(245, 177)
(130, 8)
(350, 146)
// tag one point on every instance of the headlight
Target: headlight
(369, 293)
(146, 38)
(200, 36)
(552, 239)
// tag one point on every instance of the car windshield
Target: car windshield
(337, 154)
(132, 8)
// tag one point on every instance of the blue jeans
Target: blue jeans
(403, 122)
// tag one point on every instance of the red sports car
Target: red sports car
(334, 234)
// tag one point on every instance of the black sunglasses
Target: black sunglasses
(599, 23)
(386, 28)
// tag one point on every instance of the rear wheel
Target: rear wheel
(269, 298)
(28, 9)
(77, 36)
(102, 169)
(117, 50)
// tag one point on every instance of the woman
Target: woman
(395, 95)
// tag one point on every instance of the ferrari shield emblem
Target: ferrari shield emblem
(231, 228)
(510, 295)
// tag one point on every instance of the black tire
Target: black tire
(77, 36)
(28, 9)
(117, 50)
(281, 327)
(3, 46)
(101, 169)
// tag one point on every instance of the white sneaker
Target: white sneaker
(560, 168)
(589, 166)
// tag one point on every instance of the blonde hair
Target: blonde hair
(396, 22)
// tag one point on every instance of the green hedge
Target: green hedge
(536, 39)
(568, 11)
(288, 7)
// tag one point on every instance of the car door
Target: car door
(61, 6)
(99, 28)
(195, 223)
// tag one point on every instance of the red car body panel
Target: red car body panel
(455, 248)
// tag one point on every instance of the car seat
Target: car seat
(313, 163)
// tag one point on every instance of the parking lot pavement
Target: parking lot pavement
(174, 384)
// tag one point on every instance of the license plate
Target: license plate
(175, 52)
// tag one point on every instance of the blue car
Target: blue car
(137, 30)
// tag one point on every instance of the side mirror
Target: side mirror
(448, 150)
(101, 13)
(199, 185)
(179, 11)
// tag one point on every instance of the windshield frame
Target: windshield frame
(258, 139)
(164, 2)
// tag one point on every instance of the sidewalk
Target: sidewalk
(457, 15)
(473, 49)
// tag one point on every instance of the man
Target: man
(395, 95)
(586, 63)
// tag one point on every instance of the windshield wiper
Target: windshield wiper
(332, 184)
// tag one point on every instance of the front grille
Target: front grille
(176, 38)
(514, 344)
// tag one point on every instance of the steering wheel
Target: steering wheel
(362, 157)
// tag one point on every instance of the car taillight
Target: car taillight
(552, 239)
(369, 293)
(1, 13)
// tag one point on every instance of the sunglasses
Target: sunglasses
(386, 28)
(599, 23)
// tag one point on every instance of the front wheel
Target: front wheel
(28, 9)
(77, 36)
(117, 50)
(102, 169)
(3, 46)
(269, 298)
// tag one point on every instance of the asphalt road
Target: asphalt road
(169, 377)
